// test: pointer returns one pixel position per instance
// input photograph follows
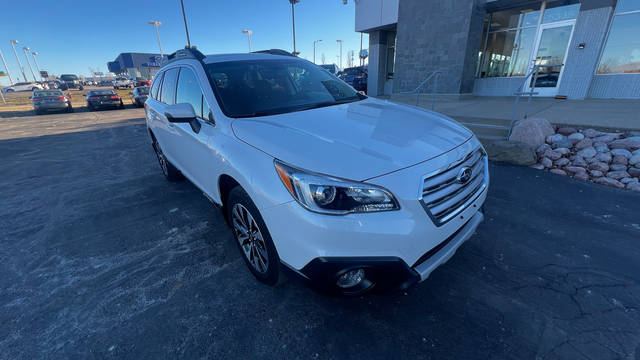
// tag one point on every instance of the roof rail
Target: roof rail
(274, 52)
(186, 53)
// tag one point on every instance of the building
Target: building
(134, 65)
(487, 47)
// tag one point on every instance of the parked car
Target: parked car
(122, 82)
(142, 82)
(23, 86)
(71, 81)
(48, 100)
(139, 95)
(97, 99)
(332, 68)
(54, 84)
(356, 77)
(349, 192)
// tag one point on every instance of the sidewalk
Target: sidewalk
(475, 111)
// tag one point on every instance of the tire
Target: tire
(115, 87)
(34, 89)
(69, 108)
(90, 107)
(81, 87)
(9, 90)
(168, 170)
(121, 105)
(257, 250)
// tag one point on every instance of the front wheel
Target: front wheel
(252, 237)
(121, 106)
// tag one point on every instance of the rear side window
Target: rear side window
(156, 86)
(189, 91)
(168, 94)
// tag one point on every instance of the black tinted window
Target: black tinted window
(189, 91)
(168, 92)
(156, 85)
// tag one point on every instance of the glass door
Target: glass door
(550, 53)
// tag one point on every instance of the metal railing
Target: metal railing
(534, 71)
(433, 75)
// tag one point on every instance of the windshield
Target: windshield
(268, 87)
(68, 77)
(101, 92)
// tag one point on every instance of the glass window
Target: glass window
(205, 109)
(189, 91)
(627, 5)
(621, 54)
(508, 53)
(254, 88)
(514, 18)
(168, 91)
(559, 11)
(156, 86)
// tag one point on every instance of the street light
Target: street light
(26, 56)
(36, 62)
(155, 24)
(248, 32)
(293, 23)
(340, 42)
(6, 68)
(13, 43)
(314, 49)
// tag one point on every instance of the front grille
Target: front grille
(444, 197)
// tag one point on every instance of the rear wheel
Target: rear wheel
(253, 238)
(121, 106)
(69, 108)
(168, 170)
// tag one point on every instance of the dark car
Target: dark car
(48, 100)
(142, 82)
(71, 81)
(356, 77)
(97, 99)
(140, 95)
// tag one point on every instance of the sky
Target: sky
(71, 36)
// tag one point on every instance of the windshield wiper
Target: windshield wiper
(328, 103)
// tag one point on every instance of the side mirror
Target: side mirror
(182, 113)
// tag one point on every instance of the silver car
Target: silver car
(47, 100)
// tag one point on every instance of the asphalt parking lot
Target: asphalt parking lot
(100, 257)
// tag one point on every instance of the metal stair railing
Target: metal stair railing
(433, 75)
(534, 71)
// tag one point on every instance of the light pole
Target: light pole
(13, 43)
(293, 23)
(36, 62)
(26, 56)
(6, 68)
(360, 54)
(340, 42)
(314, 49)
(248, 32)
(155, 24)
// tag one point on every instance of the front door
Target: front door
(551, 49)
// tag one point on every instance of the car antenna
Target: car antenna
(186, 29)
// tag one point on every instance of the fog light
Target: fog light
(351, 278)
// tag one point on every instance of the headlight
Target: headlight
(329, 195)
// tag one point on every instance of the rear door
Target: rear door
(166, 132)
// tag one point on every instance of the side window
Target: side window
(189, 91)
(205, 109)
(156, 86)
(168, 92)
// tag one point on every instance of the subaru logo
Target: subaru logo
(464, 175)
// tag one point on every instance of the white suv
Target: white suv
(23, 86)
(352, 193)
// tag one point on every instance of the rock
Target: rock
(633, 186)
(628, 180)
(592, 160)
(566, 131)
(584, 143)
(563, 151)
(617, 167)
(564, 143)
(624, 152)
(634, 172)
(537, 166)
(596, 173)
(546, 162)
(630, 143)
(617, 174)
(578, 161)
(542, 148)
(635, 152)
(558, 172)
(563, 162)
(511, 152)
(575, 169)
(591, 133)
(604, 138)
(581, 176)
(634, 159)
(609, 182)
(587, 152)
(604, 157)
(575, 138)
(600, 166)
(601, 147)
(554, 138)
(620, 160)
(552, 154)
(531, 131)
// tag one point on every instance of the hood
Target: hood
(356, 141)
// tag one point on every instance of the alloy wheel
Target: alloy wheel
(161, 158)
(250, 238)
